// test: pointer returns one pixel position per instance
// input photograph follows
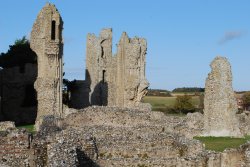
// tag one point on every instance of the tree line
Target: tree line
(188, 89)
(18, 54)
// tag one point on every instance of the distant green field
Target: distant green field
(159, 102)
(221, 143)
(182, 93)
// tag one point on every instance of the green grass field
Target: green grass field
(219, 144)
(183, 93)
(159, 102)
(29, 128)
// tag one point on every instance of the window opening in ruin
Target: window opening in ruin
(53, 30)
(102, 51)
(103, 76)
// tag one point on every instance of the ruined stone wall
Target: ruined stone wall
(18, 97)
(46, 41)
(131, 80)
(129, 137)
(6, 125)
(71, 148)
(14, 149)
(111, 136)
(98, 66)
(244, 122)
(117, 80)
(219, 102)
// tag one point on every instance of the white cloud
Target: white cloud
(231, 35)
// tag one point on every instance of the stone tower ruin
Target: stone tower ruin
(219, 101)
(46, 42)
(116, 80)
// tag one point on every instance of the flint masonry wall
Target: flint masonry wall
(46, 41)
(129, 137)
(219, 101)
(111, 136)
(14, 148)
(116, 80)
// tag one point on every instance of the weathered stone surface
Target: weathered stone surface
(125, 137)
(111, 136)
(49, 124)
(6, 125)
(219, 102)
(3, 165)
(14, 148)
(67, 111)
(130, 137)
(72, 148)
(117, 80)
(190, 126)
(244, 122)
(46, 41)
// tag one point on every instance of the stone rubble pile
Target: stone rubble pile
(6, 125)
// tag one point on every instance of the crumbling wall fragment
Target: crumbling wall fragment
(6, 125)
(219, 102)
(46, 41)
(117, 80)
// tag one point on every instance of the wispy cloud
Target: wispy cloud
(231, 35)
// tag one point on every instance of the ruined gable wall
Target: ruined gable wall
(46, 41)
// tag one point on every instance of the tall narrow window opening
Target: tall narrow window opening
(53, 30)
(103, 76)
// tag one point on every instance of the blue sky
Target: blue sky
(183, 36)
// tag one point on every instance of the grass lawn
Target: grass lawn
(182, 93)
(219, 144)
(159, 102)
(30, 128)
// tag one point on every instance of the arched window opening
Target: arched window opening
(53, 30)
